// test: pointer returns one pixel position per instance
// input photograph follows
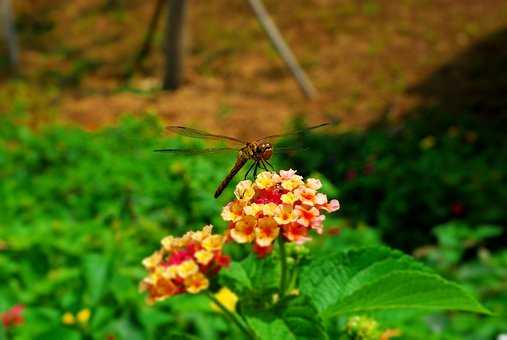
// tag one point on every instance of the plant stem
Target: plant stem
(232, 316)
(283, 263)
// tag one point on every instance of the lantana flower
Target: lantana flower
(13, 316)
(184, 264)
(276, 204)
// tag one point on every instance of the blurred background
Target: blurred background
(418, 160)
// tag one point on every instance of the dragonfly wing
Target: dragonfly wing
(294, 133)
(289, 149)
(192, 152)
(194, 133)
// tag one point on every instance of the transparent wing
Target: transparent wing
(298, 132)
(192, 152)
(288, 150)
(194, 133)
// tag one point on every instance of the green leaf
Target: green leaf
(236, 278)
(60, 333)
(96, 270)
(294, 319)
(252, 275)
(330, 279)
(270, 328)
(379, 278)
(408, 289)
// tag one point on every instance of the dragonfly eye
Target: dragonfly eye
(267, 153)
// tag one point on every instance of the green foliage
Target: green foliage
(81, 210)
(294, 319)
(409, 178)
(252, 276)
(378, 278)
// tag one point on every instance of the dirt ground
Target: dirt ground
(361, 55)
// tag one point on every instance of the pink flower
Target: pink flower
(331, 206)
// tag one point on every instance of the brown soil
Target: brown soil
(361, 55)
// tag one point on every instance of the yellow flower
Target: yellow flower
(266, 179)
(203, 256)
(269, 209)
(196, 283)
(227, 298)
(187, 268)
(244, 191)
(83, 316)
(153, 260)
(285, 214)
(253, 209)
(201, 234)
(292, 183)
(289, 198)
(427, 142)
(213, 242)
(68, 319)
(167, 242)
(169, 273)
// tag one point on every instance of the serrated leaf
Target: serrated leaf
(408, 289)
(294, 319)
(379, 278)
(329, 279)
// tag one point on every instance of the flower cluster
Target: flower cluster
(276, 203)
(184, 264)
(13, 316)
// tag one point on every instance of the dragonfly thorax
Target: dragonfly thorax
(258, 151)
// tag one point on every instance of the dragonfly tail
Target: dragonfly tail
(237, 166)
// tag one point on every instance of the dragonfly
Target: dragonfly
(259, 151)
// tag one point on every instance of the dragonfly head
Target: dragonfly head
(265, 150)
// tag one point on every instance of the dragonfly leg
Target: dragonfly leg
(249, 169)
(255, 168)
(270, 165)
(263, 164)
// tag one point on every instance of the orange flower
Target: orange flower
(233, 211)
(244, 230)
(273, 202)
(285, 214)
(266, 231)
(306, 215)
(183, 264)
(196, 283)
(295, 232)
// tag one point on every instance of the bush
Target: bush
(407, 179)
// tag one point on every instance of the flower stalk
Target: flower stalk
(231, 316)
(283, 267)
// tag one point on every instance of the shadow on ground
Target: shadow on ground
(475, 81)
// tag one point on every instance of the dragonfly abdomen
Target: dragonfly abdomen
(237, 166)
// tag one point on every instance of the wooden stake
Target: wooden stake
(6, 16)
(174, 44)
(283, 49)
